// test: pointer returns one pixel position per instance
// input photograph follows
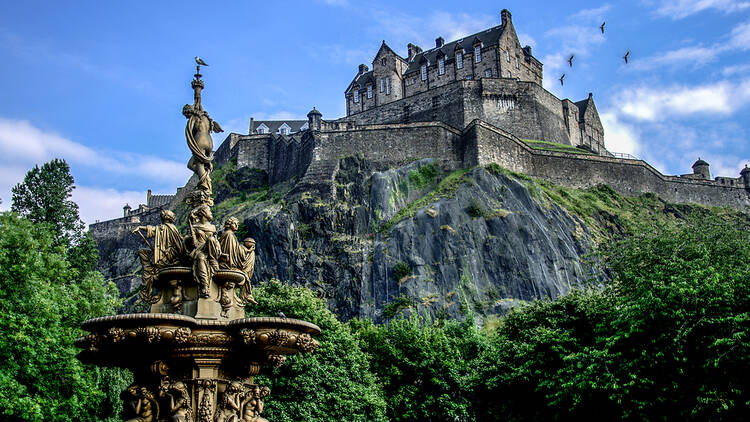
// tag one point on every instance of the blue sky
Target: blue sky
(102, 84)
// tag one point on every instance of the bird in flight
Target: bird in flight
(200, 61)
(570, 60)
(626, 56)
(561, 79)
(602, 27)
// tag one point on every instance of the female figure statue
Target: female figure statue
(238, 256)
(229, 407)
(198, 134)
(206, 248)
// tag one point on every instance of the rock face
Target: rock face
(469, 242)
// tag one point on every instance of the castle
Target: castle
(469, 102)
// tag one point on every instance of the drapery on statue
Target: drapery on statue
(205, 248)
(198, 135)
(238, 256)
(168, 249)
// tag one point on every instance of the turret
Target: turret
(126, 210)
(745, 175)
(700, 168)
(439, 42)
(363, 69)
(413, 50)
(314, 119)
(505, 17)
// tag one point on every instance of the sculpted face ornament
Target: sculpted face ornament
(194, 355)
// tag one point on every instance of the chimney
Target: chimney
(413, 51)
(527, 50)
(505, 17)
(148, 197)
(363, 68)
(252, 126)
(439, 42)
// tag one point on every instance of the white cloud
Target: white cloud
(619, 136)
(104, 204)
(401, 29)
(336, 2)
(595, 14)
(693, 56)
(23, 145)
(526, 39)
(740, 37)
(678, 9)
(735, 69)
(20, 141)
(697, 56)
(721, 98)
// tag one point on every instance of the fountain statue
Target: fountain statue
(194, 355)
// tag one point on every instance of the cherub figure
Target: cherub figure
(229, 406)
(252, 405)
(238, 256)
(143, 404)
(180, 408)
(168, 249)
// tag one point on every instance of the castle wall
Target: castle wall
(442, 104)
(393, 144)
(524, 109)
(629, 177)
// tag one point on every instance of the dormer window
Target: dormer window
(477, 53)
(507, 56)
(356, 96)
(460, 60)
(369, 91)
(424, 72)
(441, 66)
(284, 129)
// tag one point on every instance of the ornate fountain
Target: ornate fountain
(194, 355)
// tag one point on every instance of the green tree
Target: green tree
(668, 339)
(42, 302)
(333, 383)
(44, 197)
(424, 366)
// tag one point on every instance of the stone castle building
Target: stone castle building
(469, 102)
(487, 76)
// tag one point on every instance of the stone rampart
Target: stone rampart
(630, 177)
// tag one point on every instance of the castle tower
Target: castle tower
(745, 175)
(126, 210)
(314, 119)
(700, 168)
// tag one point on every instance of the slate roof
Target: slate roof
(486, 37)
(273, 125)
(362, 80)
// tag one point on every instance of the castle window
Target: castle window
(460, 60)
(369, 91)
(382, 85)
(382, 61)
(477, 54)
(441, 65)
(517, 66)
(488, 73)
(509, 75)
(435, 102)
(424, 72)
(388, 85)
(356, 96)
(507, 55)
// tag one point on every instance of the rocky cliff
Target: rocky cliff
(412, 238)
